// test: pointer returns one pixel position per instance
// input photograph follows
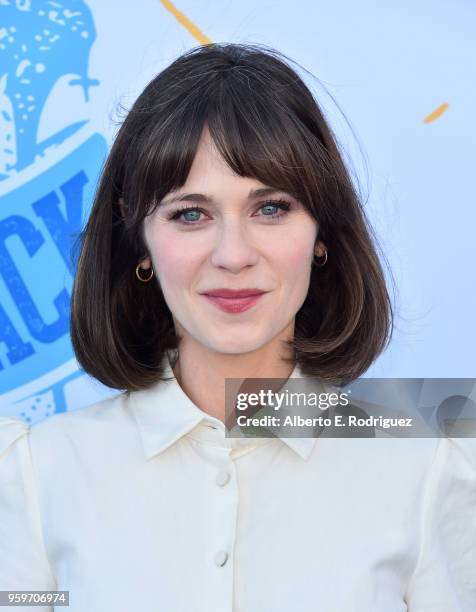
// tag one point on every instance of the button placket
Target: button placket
(221, 479)
(223, 516)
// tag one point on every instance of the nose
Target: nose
(233, 248)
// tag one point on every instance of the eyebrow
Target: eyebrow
(201, 197)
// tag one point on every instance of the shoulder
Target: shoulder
(455, 467)
(449, 489)
(82, 424)
(11, 429)
(448, 531)
(397, 469)
(402, 457)
(432, 458)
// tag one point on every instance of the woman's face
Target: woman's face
(232, 241)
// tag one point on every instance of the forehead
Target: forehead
(208, 160)
(209, 171)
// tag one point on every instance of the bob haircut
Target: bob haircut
(268, 126)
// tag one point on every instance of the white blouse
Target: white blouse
(140, 503)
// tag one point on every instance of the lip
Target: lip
(234, 305)
(234, 293)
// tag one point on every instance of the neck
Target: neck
(202, 373)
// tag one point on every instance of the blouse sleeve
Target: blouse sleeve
(444, 579)
(23, 560)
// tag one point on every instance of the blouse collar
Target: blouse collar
(164, 413)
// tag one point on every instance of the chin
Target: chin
(235, 346)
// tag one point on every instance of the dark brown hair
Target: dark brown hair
(267, 125)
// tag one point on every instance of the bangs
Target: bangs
(262, 128)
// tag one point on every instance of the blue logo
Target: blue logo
(46, 189)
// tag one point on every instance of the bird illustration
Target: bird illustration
(40, 41)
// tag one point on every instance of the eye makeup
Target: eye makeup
(279, 204)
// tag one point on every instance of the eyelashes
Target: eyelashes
(281, 205)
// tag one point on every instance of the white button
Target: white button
(221, 558)
(222, 478)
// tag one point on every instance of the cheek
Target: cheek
(295, 256)
(299, 259)
(170, 264)
(174, 262)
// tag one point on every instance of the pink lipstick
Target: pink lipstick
(234, 300)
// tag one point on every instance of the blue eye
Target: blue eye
(186, 210)
(190, 215)
(276, 204)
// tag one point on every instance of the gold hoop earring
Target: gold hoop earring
(320, 265)
(144, 280)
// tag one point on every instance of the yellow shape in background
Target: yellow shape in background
(204, 40)
(436, 114)
(187, 24)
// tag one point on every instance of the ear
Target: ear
(146, 261)
(320, 249)
(122, 207)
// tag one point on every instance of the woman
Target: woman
(226, 241)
